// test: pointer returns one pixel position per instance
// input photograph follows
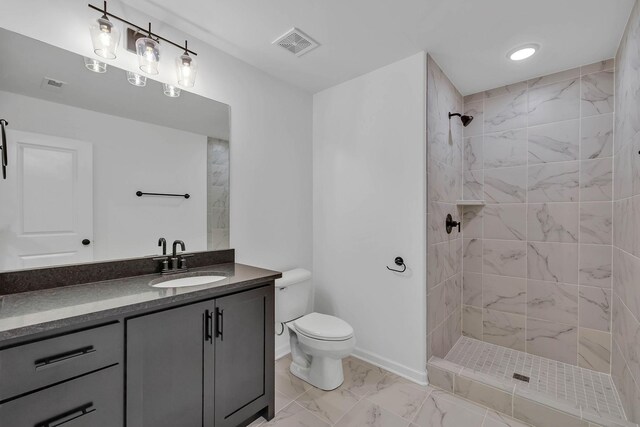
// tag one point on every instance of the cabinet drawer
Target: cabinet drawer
(94, 400)
(31, 366)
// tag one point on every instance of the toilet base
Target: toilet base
(324, 373)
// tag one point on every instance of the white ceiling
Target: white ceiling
(468, 38)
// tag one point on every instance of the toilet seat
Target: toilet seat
(323, 327)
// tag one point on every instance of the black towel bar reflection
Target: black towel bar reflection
(140, 194)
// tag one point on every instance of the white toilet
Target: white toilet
(319, 342)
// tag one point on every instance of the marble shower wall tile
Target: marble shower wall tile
(505, 329)
(595, 308)
(552, 222)
(597, 93)
(473, 185)
(552, 301)
(472, 289)
(554, 142)
(472, 253)
(596, 222)
(554, 182)
(505, 185)
(594, 350)
(506, 112)
(554, 102)
(505, 149)
(553, 262)
(596, 180)
(595, 265)
(505, 222)
(473, 153)
(606, 65)
(597, 137)
(505, 258)
(506, 294)
(472, 322)
(554, 340)
(554, 78)
(626, 271)
(472, 218)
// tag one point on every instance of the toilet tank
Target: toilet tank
(293, 295)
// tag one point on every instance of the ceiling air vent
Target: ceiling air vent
(296, 42)
(52, 85)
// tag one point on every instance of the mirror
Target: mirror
(82, 147)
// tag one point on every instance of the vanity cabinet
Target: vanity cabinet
(203, 364)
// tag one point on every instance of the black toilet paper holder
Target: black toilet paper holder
(400, 263)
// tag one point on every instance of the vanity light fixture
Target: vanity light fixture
(95, 65)
(136, 79)
(104, 36)
(147, 48)
(187, 68)
(171, 91)
(523, 52)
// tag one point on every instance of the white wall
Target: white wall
(128, 156)
(270, 128)
(369, 181)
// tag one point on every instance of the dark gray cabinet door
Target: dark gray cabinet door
(165, 357)
(243, 374)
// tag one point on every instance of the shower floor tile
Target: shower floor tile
(589, 390)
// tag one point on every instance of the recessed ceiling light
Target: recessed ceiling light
(523, 52)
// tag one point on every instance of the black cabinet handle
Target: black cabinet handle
(219, 323)
(68, 416)
(52, 360)
(208, 320)
(86, 242)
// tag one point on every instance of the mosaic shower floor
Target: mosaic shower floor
(590, 390)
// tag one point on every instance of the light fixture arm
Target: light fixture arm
(151, 34)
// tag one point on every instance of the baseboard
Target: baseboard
(386, 364)
(282, 351)
(419, 377)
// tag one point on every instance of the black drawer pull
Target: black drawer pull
(208, 320)
(68, 416)
(219, 323)
(51, 360)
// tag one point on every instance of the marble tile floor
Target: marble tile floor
(371, 396)
(590, 390)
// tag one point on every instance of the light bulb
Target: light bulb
(148, 51)
(171, 91)
(95, 65)
(104, 37)
(136, 79)
(187, 69)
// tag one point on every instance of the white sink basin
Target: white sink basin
(188, 281)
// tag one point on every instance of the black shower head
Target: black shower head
(465, 119)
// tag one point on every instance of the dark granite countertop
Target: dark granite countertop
(44, 310)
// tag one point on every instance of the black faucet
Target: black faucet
(175, 244)
(174, 258)
(163, 242)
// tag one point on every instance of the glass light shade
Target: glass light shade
(171, 91)
(105, 37)
(187, 69)
(148, 51)
(136, 79)
(95, 65)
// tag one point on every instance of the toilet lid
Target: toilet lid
(323, 327)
